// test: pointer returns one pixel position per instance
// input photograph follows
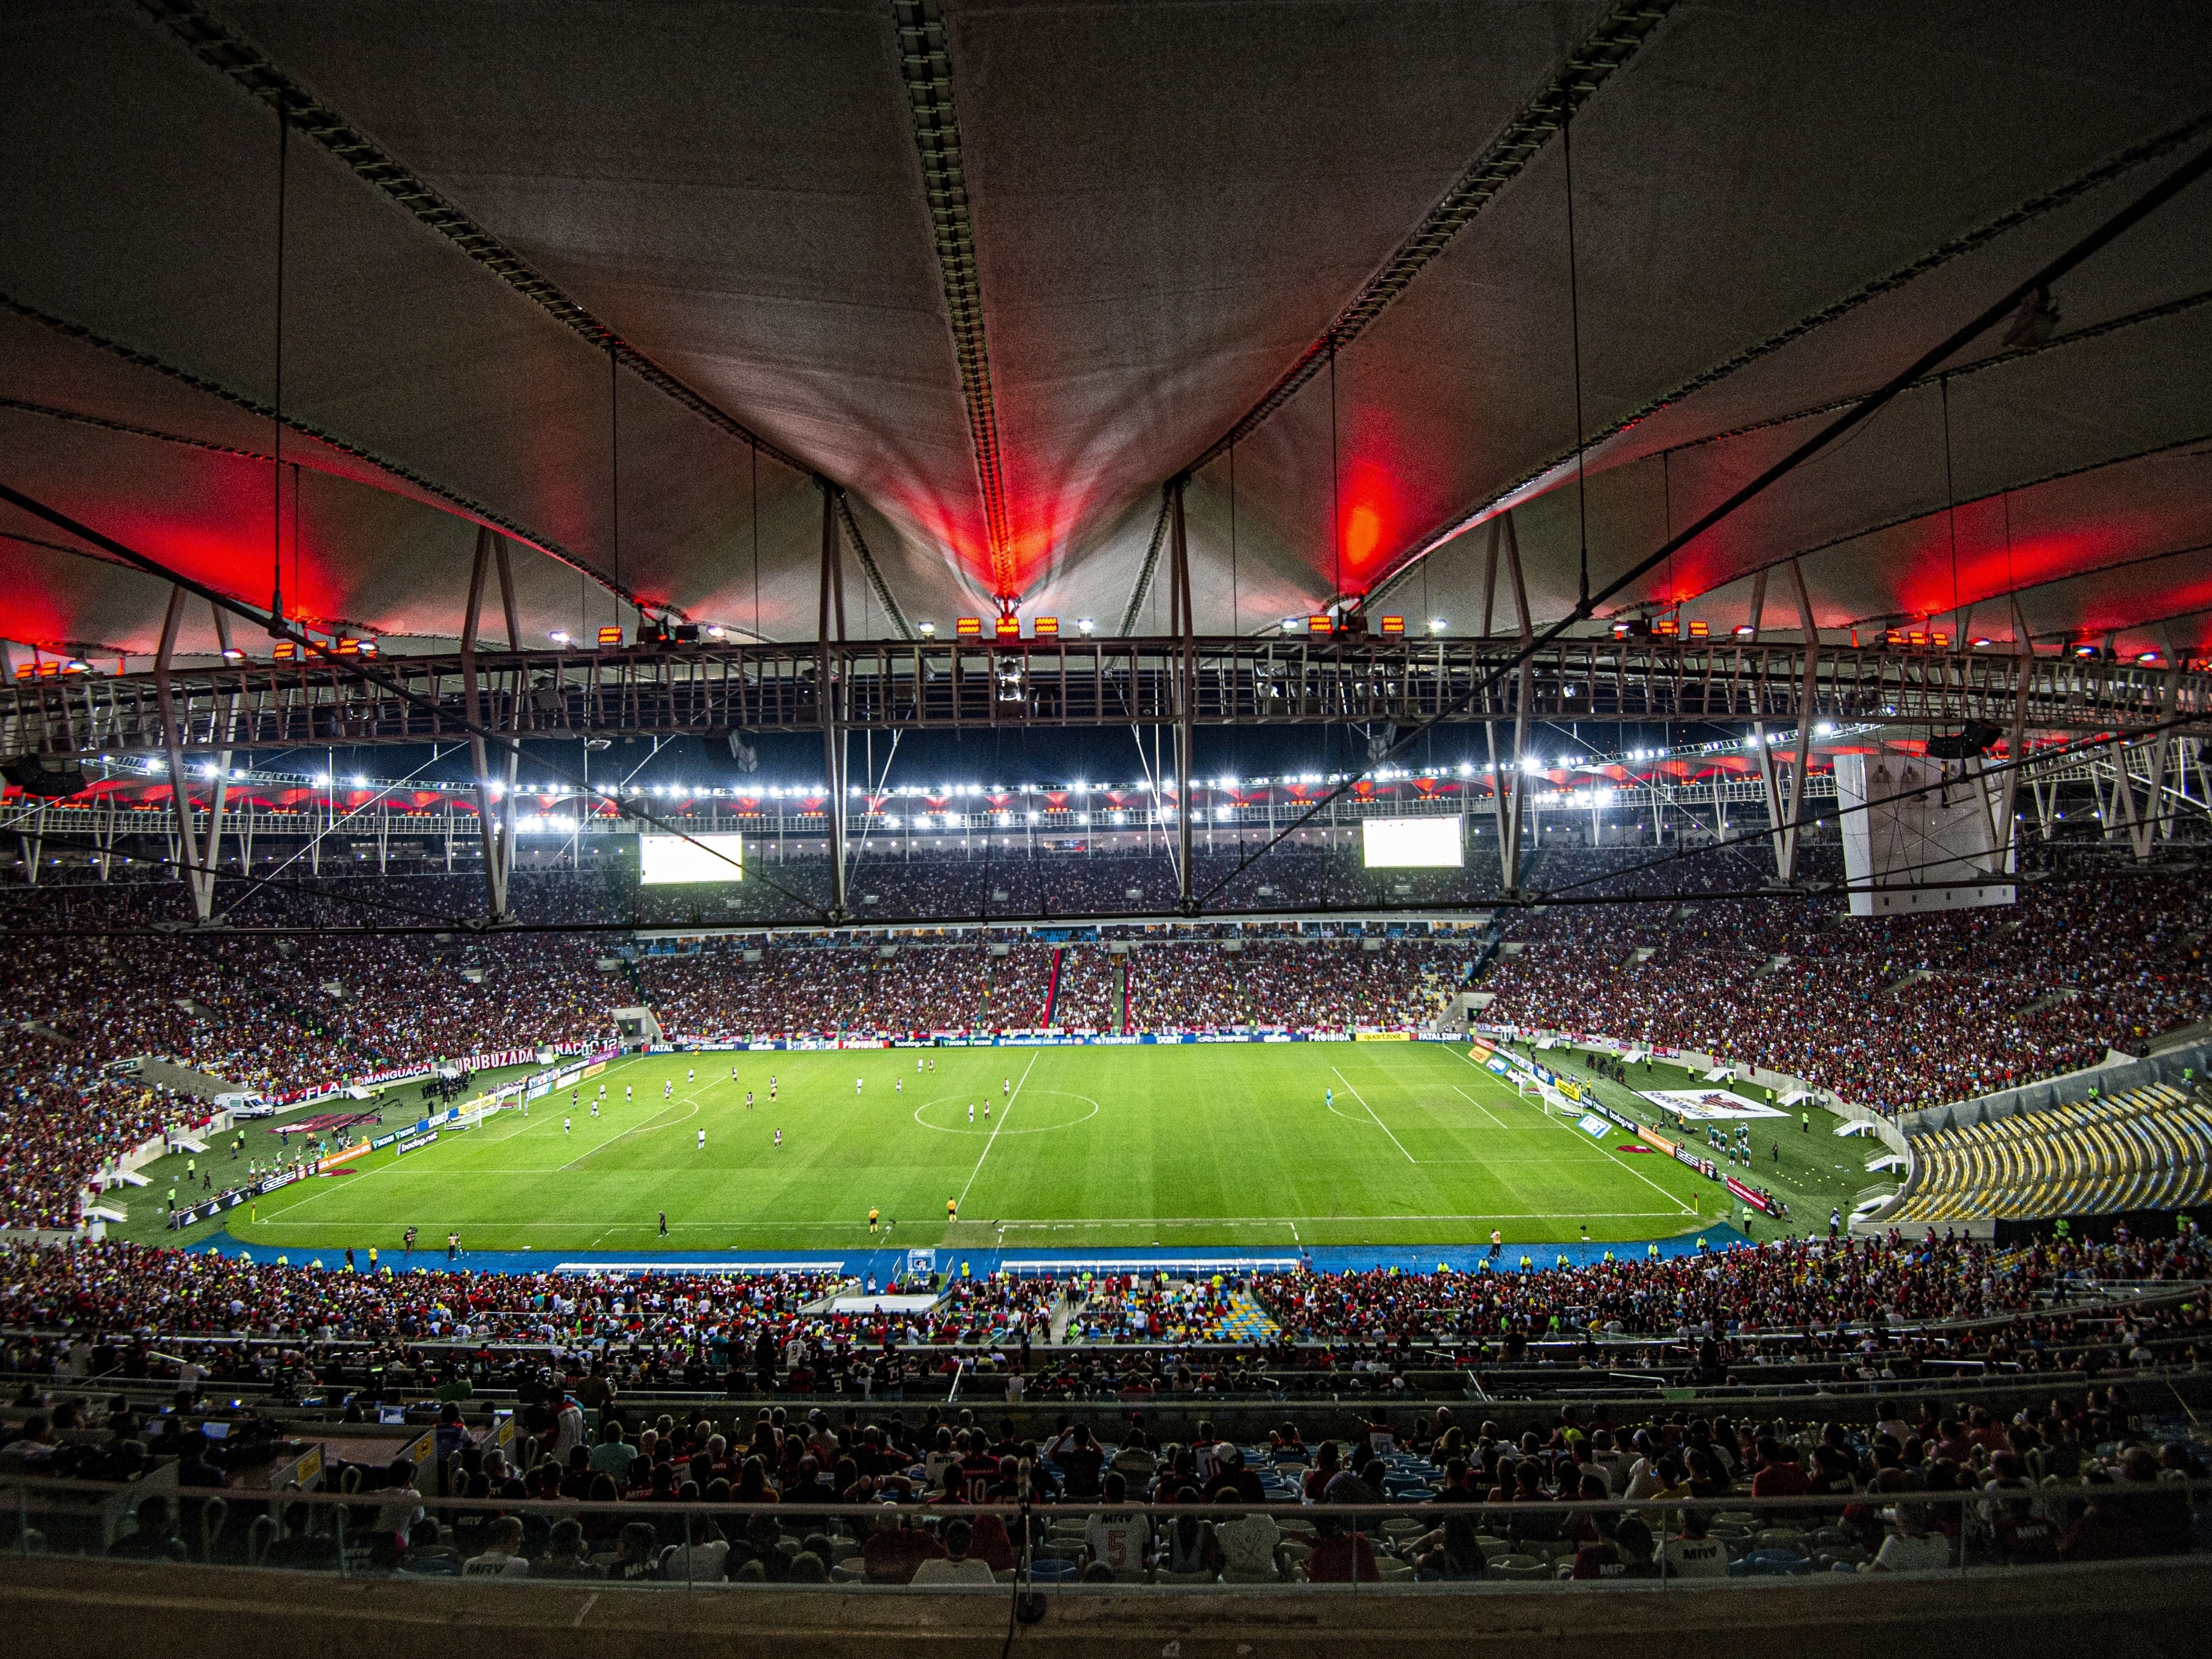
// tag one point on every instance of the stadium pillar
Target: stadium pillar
(1786, 852)
(1186, 683)
(2142, 826)
(495, 800)
(2007, 826)
(1770, 784)
(830, 693)
(1509, 793)
(196, 857)
(35, 848)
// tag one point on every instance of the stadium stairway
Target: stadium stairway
(1051, 988)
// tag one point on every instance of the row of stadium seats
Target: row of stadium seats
(2147, 1149)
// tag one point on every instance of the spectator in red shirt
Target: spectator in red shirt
(1340, 1556)
(1081, 1463)
(1780, 1475)
(895, 1549)
(2106, 1530)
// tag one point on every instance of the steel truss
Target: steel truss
(451, 827)
(709, 689)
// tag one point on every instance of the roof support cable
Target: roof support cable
(1575, 331)
(1480, 686)
(1611, 43)
(277, 403)
(1951, 509)
(1335, 501)
(614, 472)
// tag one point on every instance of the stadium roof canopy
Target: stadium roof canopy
(1000, 271)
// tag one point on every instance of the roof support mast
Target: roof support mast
(198, 855)
(1786, 825)
(495, 798)
(1508, 792)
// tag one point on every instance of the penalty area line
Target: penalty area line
(1602, 1147)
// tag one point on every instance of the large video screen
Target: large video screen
(1432, 843)
(662, 860)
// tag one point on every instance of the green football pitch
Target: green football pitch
(1236, 1145)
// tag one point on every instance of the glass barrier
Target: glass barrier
(1423, 1533)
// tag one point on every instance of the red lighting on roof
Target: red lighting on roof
(1363, 532)
(1045, 628)
(968, 628)
(1317, 624)
(1008, 628)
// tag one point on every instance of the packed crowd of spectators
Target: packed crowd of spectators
(1132, 1308)
(1790, 1283)
(593, 1486)
(804, 990)
(1894, 1014)
(95, 1292)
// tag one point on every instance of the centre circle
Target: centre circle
(1035, 1111)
